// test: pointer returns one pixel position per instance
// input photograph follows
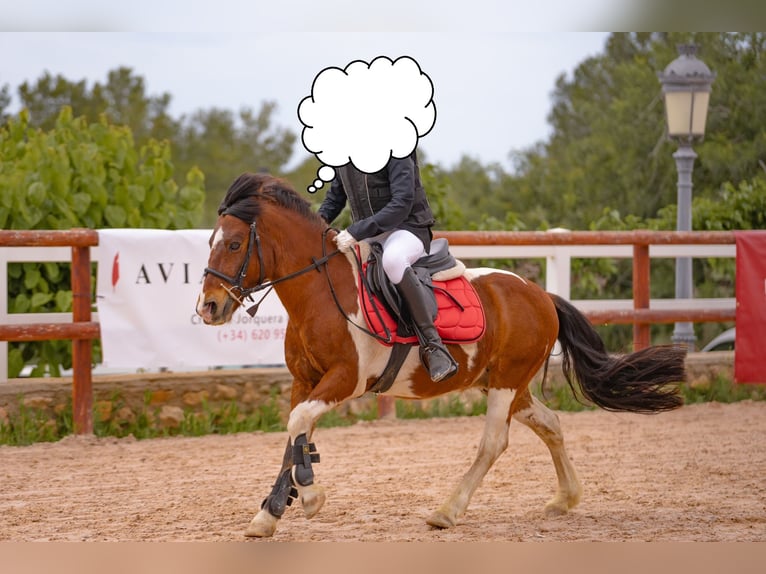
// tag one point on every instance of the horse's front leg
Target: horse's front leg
(300, 426)
(296, 477)
(264, 524)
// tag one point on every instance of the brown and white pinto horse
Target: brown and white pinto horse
(266, 234)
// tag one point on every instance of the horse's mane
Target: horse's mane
(268, 187)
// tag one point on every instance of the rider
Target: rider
(390, 207)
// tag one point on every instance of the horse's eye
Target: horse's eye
(234, 246)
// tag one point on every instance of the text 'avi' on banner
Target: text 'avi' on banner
(147, 288)
(749, 356)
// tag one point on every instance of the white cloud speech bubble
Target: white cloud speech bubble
(366, 114)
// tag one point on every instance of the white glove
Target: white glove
(345, 241)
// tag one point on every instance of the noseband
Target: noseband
(239, 292)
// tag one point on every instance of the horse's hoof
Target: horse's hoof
(262, 526)
(556, 507)
(439, 519)
(312, 499)
(561, 504)
(554, 510)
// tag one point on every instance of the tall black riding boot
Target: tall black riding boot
(421, 303)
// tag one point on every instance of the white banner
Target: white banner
(147, 288)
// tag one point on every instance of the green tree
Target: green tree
(447, 213)
(49, 94)
(483, 194)
(608, 147)
(219, 142)
(80, 174)
(730, 208)
(5, 101)
(304, 174)
(122, 99)
(224, 145)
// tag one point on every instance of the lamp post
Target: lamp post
(686, 83)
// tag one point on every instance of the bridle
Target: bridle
(239, 292)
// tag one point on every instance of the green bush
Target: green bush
(80, 175)
(30, 425)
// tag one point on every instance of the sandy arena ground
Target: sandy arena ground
(696, 474)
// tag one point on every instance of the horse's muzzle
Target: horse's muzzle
(212, 312)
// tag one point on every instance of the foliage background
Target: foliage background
(80, 174)
(111, 155)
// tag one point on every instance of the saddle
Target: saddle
(459, 313)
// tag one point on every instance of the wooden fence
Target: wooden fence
(464, 244)
(641, 315)
(81, 330)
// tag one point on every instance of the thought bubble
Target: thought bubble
(324, 173)
(366, 114)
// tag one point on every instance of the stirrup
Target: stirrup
(444, 374)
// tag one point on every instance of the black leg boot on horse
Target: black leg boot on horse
(420, 302)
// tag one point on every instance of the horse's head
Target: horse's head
(224, 280)
(256, 206)
(235, 264)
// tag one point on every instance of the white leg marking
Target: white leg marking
(496, 427)
(304, 415)
(493, 444)
(312, 497)
(545, 424)
(301, 421)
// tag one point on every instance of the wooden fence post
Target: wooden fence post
(641, 330)
(82, 383)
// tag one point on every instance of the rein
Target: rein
(239, 293)
(243, 293)
(388, 338)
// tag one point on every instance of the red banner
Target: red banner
(749, 345)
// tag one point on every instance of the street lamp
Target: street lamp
(686, 86)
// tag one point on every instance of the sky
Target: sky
(492, 73)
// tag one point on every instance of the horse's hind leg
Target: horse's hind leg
(545, 423)
(493, 444)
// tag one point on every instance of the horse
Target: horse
(267, 236)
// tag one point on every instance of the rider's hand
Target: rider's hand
(345, 241)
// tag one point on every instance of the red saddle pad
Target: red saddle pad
(455, 324)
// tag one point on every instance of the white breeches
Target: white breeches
(400, 250)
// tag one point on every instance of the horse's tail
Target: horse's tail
(642, 382)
